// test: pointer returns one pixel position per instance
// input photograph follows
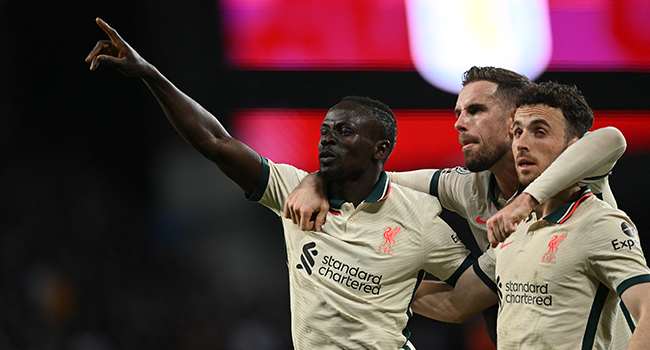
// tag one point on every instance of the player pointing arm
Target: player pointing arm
(352, 286)
(194, 123)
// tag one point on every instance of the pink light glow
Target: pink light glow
(372, 34)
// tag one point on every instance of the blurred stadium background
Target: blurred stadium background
(114, 234)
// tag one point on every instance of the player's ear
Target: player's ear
(381, 149)
(572, 141)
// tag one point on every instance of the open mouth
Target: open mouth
(524, 163)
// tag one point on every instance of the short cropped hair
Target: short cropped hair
(567, 98)
(383, 115)
(509, 83)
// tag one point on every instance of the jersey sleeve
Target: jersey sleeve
(275, 184)
(614, 251)
(587, 160)
(419, 180)
(485, 269)
(453, 187)
(444, 254)
(448, 185)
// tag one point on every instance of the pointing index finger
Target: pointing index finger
(112, 33)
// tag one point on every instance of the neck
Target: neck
(354, 189)
(569, 194)
(506, 176)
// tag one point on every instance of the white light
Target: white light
(447, 37)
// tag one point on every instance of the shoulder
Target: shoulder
(285, 171)
(606, 224)
(599, 212)
(276, 180)
(402, 195)
(401, 191)
(460, 177)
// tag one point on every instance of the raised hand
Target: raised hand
(116, 53)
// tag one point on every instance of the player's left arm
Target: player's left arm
(442, 302)
(592, 156)
(473, 285)
(637, 301)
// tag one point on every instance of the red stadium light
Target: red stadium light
(426, 138)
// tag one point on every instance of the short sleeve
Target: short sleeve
(451, 186)
(276, 182)
(445, 255)
(485, 268)
(615, 255)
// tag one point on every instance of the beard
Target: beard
(331, 174)
(486, 157)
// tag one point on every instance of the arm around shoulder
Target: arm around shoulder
(442, 302)
(594, 155)
(308, 205)
(419, 180)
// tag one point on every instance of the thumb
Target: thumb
(107, 60)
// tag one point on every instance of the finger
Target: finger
(112, 33)
(286, 213)
(320, 220)
(94, 64)
(294, 217)
(99, 47)
(495, 237)
(510, 228)
(493, 241)
(107, 60)
(305, 223)
(490, 232)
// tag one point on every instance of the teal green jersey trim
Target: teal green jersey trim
(262, 182)
(488, 282)
(469, 261)
(565, 211)
(433, 186)
(594, 317)
(630, 282)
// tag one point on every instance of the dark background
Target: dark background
(114, 234)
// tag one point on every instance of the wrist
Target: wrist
(528, 200)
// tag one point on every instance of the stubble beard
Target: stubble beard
(486, 158)
(331, 174)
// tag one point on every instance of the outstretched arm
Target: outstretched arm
(193, 122)
(594, 155)
(442, 302)
(307, 205)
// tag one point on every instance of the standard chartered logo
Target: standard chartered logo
(350, 276)
(524, 293)
(353, 277)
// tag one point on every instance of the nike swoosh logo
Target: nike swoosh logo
(478, 219)
(503, 245)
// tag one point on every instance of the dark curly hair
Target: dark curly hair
(567, 98)
(383, 115)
